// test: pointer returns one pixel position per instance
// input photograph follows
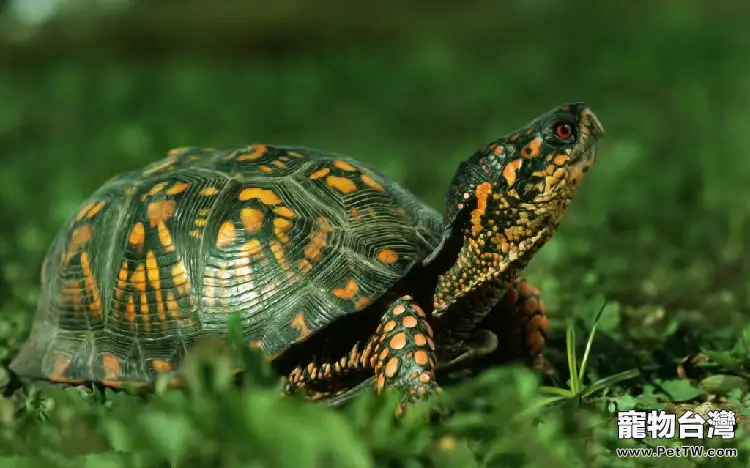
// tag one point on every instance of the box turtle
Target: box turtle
(339, 274)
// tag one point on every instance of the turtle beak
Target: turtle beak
(591, 132)
(592, 124)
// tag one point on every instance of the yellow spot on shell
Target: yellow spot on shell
(252, 247)
(281, 227)
(95, 302)
(226, 235)
(387, 256)
(138, 278)
(209, 191)
(267, 197)
(60, 368)
(137, 235)
(362, 302)
(152, 273)
(280, 255)
(256, 151)
(284, 211)
(160, 211)
(112, 367)
(84, 211)
(178, 188)
(341, 184)
(348, 291)
(305, 265)
(343, 165)
(156, 188)
(318, 240)
(78, 239)
(370, 182)
(95, 209)
(265, 169)
(252, 219)
(165, 237)
(130, 310)
(173, 307)
(122, 280)
(298, 322)
(160, 366)
(322, 172)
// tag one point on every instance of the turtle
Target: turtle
(342, 277)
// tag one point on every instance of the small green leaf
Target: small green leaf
(681, 390)
(624, 402)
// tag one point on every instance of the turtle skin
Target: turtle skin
(338, 273)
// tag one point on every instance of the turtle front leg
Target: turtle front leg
(400, 355)
(404, 352)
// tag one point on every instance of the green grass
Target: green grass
(660, 230)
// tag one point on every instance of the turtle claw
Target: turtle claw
(482, 343)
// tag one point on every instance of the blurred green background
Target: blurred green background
(660, 229)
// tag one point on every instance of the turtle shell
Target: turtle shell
(290, 238)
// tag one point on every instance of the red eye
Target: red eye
(564, 130)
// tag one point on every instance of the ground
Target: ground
(659, 232)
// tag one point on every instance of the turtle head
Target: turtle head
(507, 199)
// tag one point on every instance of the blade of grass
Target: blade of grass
(610, 381)
(582, 370)
(563, 392)
(570, 342)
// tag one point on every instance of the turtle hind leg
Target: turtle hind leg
(520, 321)
(514, 331)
